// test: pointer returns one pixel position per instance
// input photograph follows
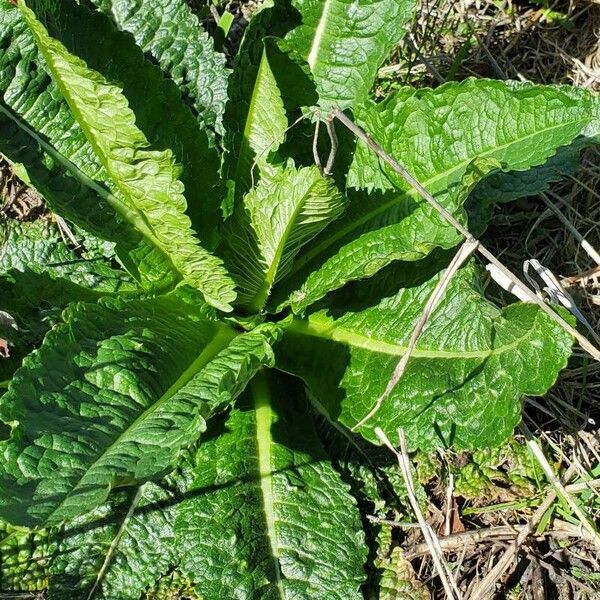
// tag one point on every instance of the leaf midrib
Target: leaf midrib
(263, 412)
(260, 298)
(223, 336)
(131, 216)
(323, 328)
(248, 126)
(411, 193)
(317, 40)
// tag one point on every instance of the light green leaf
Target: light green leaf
(345, 42)
(113, 395)
(267, 516)
(465, 379)
(270, 80)
(398, 578)
(413, 239)
(436, 135)
(168, 31)
(278, 217)
(262, 127)
(153, 199)
(93, 37)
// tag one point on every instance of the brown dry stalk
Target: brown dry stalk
(417, 186)
(482, 590)
(457, 541)
(464, 252)
(431, 539)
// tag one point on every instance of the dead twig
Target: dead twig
(398, 168)
(431, 539)
(330, 125)
(464, 252)
(498, 533)
(484, 587)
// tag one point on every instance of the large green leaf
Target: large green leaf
(268, 85)
(152, 197)
(93, 38)
(267, 516)
(169, 32)
(278, 217)
(37, 129)
(345, 42)
(261, 118)
(436, 134)
(111, 397)
(116, 551)
(464, 380)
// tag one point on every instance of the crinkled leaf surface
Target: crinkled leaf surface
(465, 379)
(23, 556)
(37, 246)
(39, 277)
(345, 42)
(267, 516)
(173, 36)
(153, 198)
(436, 134)
(38, 130)
(278, 217)
(267, 87)
(132, 533)
(259, 113)
(111, 397)
(93, 38)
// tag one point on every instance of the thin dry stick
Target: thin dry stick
(270, 145)
(464, 252)
(498, 533)
(587, 247)
(329, 124)
(315, 145)
(65, 231)
(396, 166)
(115, 542)
(559, 487)
(408, 40)
(482, 589)
(449, 507)
(446, 578)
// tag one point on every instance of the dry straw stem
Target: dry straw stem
(464, 252)
(499, 533)
(585, 245)
(401, 170)
(483, 589)
(431, 539)
(559, 487)
(115, 543)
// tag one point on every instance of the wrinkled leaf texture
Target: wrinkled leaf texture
(152, 197)
(112, 396)
(436, 134)
(464, 381)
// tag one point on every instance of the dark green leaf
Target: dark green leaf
(267, 516)
(169, 32)
(113, 394)
(465, 379)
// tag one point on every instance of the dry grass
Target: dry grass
(559, 559)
